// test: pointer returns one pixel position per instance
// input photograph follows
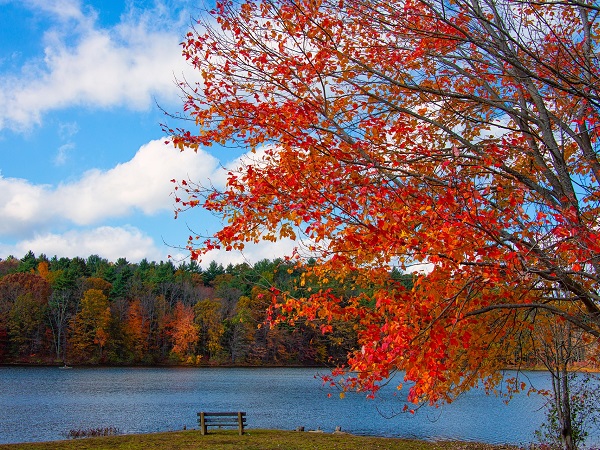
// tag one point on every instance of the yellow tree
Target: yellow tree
(210, 322)
(90, 327)
(458, 135)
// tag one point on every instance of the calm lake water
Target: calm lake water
(40, 404)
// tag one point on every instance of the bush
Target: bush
(92, 432)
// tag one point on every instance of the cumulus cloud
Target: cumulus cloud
(111, 243)
(252, 253)
(66, 220)
(129, 65)
(138, 185)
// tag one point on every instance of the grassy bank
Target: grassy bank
(252, 440)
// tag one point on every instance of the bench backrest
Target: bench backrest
(222, 414)
(222, 419)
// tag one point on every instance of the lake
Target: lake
(40, 404)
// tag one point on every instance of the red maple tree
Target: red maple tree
(461, 135)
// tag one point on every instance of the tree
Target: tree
(573, 401)
(209, 321)
(461, 135)
(97, 266)
(90, 326)
(96, 283)
(240, 330)
(23, 301)
(164, 280)
(183, 331)
(8, 265)
(213, 271)
(28, 263)
(137, 331)
(122, 274)
(60, 311)
(26, 324)
(571, 431)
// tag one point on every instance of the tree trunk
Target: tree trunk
(563, 408)
(567, 428)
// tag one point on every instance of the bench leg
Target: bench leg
(202, 424)
(240, 424)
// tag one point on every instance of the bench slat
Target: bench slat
(221, 424)
(222, 419)
(219, 421)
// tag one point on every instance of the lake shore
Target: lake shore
(252, 440)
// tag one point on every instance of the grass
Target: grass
(251, 440)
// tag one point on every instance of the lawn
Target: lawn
(251, 440)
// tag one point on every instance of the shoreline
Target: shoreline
(178, 366)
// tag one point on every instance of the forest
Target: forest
(92, 311)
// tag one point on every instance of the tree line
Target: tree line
(93, 311)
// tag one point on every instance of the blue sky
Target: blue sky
(83, 165)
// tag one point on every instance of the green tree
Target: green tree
(28, 263)
(97, 266)
(122, 273)
(212, 271)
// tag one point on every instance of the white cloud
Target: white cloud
(420, 268)
(61, 9)
(252, 253)
(141, 184)
(63, 153)
(21, 203)
(129, 65)
(108, 242)
(37, 215)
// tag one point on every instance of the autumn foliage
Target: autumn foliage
(99, 312)
(458, 135)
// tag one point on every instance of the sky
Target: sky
(84, 168)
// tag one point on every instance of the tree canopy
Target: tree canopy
(458, 134)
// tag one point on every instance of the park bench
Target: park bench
(222, 419)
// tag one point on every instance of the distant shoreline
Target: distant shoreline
(201, 366)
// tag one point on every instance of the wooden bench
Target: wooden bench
(222, 419)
